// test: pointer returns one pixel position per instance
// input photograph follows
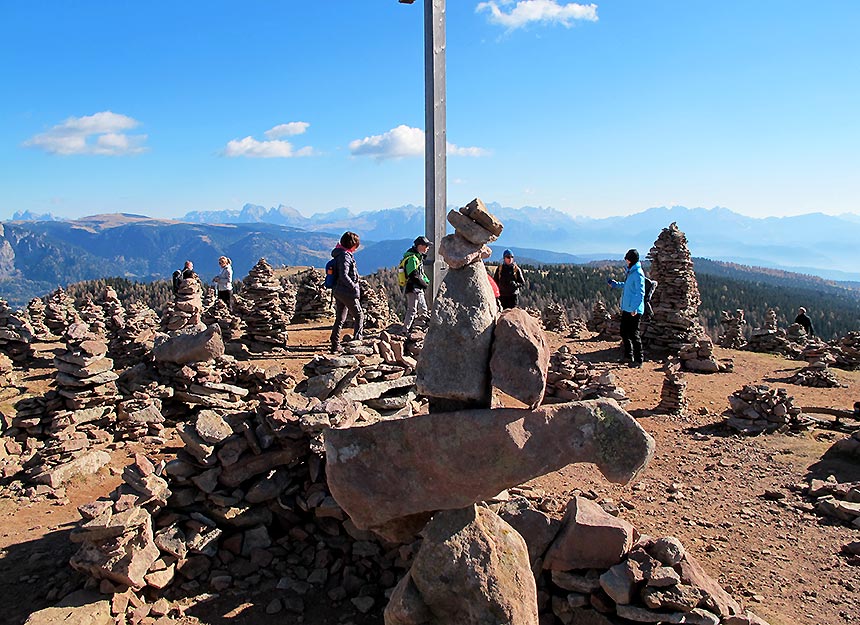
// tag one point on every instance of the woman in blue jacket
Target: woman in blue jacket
(632, 307)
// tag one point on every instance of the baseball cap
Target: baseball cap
(422, 241)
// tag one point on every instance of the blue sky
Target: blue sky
(597, 109)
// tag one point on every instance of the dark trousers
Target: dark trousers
(226, 296)
(508, 301)
(343, 306)
(630, 339)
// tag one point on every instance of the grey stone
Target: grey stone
(477, 211)
(185, 348)
(457, 252)
(520, 357)
(470, 230)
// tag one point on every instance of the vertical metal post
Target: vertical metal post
(435, 143)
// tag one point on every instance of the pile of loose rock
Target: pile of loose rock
(8, 378)
(140, 419)
(699, 356)
(758, 408)
(570, 379)
(60, 312)
(673, 394)
(817, 374)
(185, 312)
(733, 333)
(232, 326)
(770, 339)
(36, 316)
(599, 317)
(265, 319)
(313, 300)
(838, 500)
(796, 333)
(555, 318)
(16, 334)
(675, 321)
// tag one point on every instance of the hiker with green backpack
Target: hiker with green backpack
(413, 280)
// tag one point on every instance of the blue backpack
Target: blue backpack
(330, 274)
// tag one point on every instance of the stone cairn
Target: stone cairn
(87, 395)
(673, 394)
(374, 303)
(699, 357)
(848, 351)
(36, 315)
(733, 333)
(136, 338)
(114, 312)
(232, 326)
(8, 378)
(313, 300)
(758, 408)
(796, 334)
(578, 329)
(16, 334)
(140, 419)
(93, 316)
(608, 328)
(555, 318)
(675, 322)
(183, 315)
(265, 319)
(817, 373)
(769, 339)
(288, 297)
(570, 379)
(60, 312)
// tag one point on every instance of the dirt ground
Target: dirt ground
(705, 485)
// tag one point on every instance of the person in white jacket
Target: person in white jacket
(224, 281)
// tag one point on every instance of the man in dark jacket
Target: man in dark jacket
(804, 320)
(346, 290)
(416, 280)
(510, 279)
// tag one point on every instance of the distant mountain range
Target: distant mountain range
(815, 243)
(38, 252)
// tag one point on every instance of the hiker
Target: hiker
(804, 320)
(188, 270)
(416, 281)
(346, 290)
(632, 307)
(510, 279)
(224, 281)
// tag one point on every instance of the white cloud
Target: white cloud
(525, 12)
(101, 133)
(401, 142)
(287, 130)
(252, 148)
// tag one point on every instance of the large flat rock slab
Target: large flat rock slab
(450, 460)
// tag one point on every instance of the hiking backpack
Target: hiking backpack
(401, 273)
(650, 287)
(330, 274)
(177, 279)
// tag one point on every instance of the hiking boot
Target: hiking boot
(636, 364)
(335, 349)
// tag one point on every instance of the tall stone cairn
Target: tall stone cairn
(554, 318)
(16, 334)
(675, 321)
(187, 308)
(733, 334)
(60, 312)
(673, 394)
(599, 317)
(578, 329)
(36, 314)
(265, 318)
(85, 375)
(848, 354)
(313, 300)
(8, 377)
(93, 315)
(135, 339)
(288, 297)
(114, 312)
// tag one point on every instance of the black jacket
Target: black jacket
(509, 278)
(416, 280)
(347, 273)
(806, 322)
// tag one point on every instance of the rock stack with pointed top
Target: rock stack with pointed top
(16, 334)
(93, 315)
(848, 354)
(578, 329)
(555, 318)
(374, 303)
(675, 321)
(599, 317)
(265, 319)
(571, 379)
(114, 312)
(770, 339)
(36, 316)
(288, 297)
(60, 312)
(183, 315)
(733, 333)
(673, 395)
(313, 300)
(134, 341)
(85, 375)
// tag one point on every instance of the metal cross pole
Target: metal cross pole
(435, 143)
